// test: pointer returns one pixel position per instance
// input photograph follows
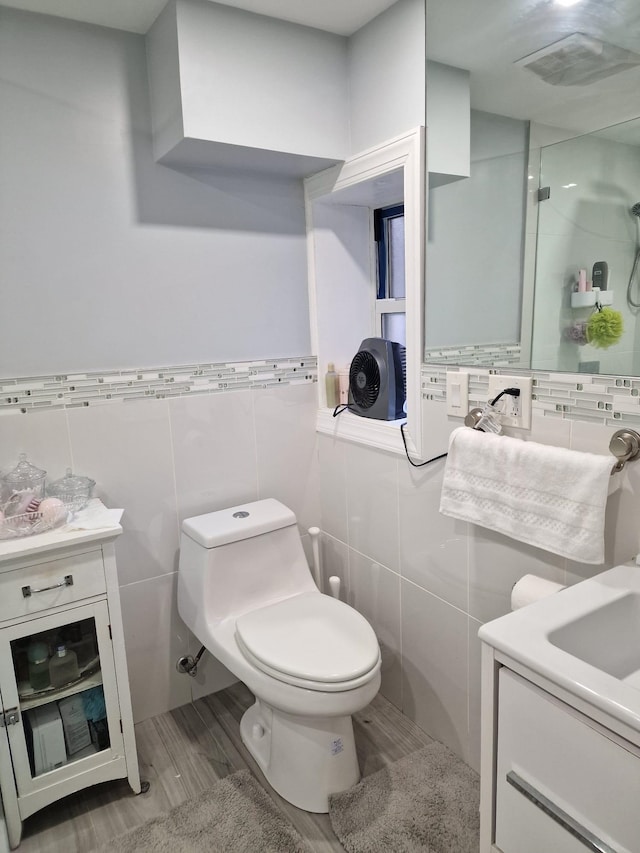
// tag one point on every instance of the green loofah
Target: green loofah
(604, 328)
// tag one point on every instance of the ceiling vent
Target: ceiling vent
(578, 60)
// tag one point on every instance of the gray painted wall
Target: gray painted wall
(247, 79)
(108, 259)
(387, 75)
(475, 242)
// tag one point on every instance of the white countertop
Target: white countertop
(524, 635)
(57, 539)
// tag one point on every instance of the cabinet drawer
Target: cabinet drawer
(560, 778)
(86, 572)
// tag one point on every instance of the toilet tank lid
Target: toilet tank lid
(238, 522)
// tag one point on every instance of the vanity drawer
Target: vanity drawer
(560, 778)
(72, 578)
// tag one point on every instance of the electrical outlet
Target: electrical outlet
(516, 410)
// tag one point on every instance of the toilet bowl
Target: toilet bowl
(311, 661)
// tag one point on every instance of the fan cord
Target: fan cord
(409, 459)
(513, 392)
(345, 407)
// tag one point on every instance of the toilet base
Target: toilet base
(304, 759)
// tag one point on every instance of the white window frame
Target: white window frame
(388, 306)
(406, 153)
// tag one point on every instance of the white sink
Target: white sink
(585, 639)
(607, 638)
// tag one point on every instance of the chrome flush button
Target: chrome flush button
(241, 514)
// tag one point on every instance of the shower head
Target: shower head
(636, 209)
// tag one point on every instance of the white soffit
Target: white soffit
(343, 17)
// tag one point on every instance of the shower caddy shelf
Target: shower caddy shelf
(591, 298)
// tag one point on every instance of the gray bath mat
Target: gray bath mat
(235, 815)
(425, 802)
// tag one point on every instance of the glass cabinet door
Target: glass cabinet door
(61, 707)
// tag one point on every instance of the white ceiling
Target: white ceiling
(487, 37)
(336, 16)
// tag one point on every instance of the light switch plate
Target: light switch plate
(516, 410)
(457, 393)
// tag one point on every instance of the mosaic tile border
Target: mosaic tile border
(28, 394)
(609, 400)
(482, 355)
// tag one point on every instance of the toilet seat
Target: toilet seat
(310, 640)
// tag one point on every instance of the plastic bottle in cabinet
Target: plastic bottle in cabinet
(63, 667)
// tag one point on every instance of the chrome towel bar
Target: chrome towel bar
(624, 444)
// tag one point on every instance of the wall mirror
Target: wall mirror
(555, 175)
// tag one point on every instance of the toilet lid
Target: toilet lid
(310, 636)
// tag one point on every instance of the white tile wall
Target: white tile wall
(155, 638)
(372, 504)
(474, 693)
(435, 666)
(163, 459)
(287, 460)
(333, 486)
(45, 439)
(454, 576)
(127, 451)
(425, 582)
(495, 564)
(433, 548)
(214, 451)
(334, 558)
(375, 592)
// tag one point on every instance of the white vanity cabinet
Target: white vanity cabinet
(61, 589)
(555, 777)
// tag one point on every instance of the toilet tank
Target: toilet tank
(237, 559)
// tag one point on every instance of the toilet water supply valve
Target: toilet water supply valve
(187, 664)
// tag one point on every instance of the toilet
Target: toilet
(246, 592)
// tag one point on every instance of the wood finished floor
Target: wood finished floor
(187, 750)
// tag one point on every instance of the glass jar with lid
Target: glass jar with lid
(74, 491)
(22, 486)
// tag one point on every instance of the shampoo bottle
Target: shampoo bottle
(343, 381)
(38, 656)
(63, 667)
(331, 386)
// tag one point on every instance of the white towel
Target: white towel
(95, 516)
(546, 496)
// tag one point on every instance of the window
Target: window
(346, 303)
(388, 230)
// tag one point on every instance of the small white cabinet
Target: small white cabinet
(62, 589)
(553, 778)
